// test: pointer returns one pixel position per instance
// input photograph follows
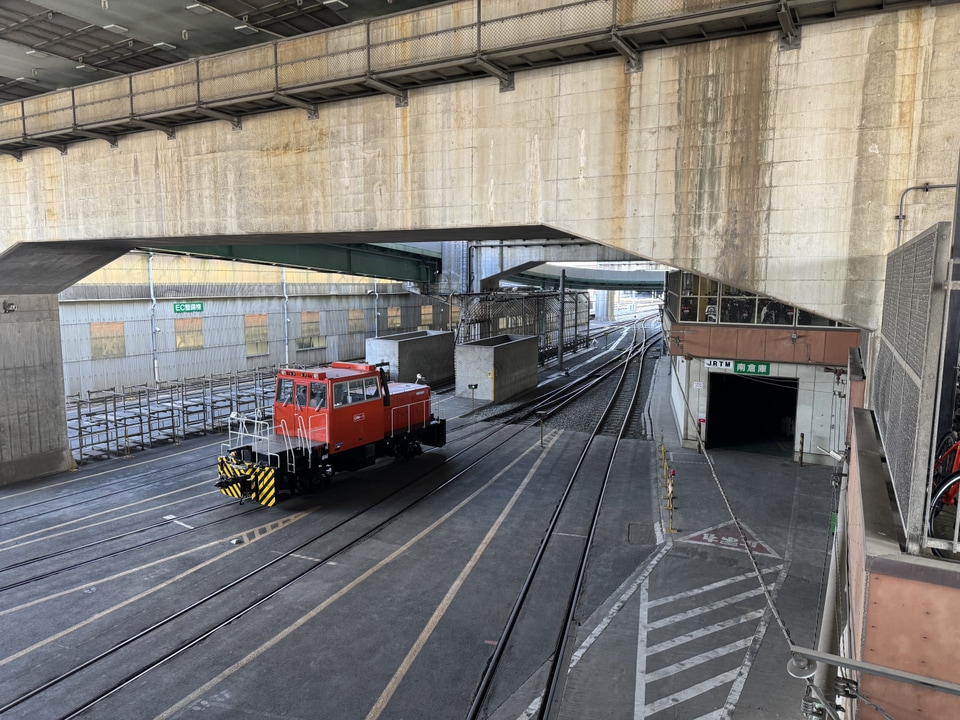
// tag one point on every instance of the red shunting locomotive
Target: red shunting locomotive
(341, 417)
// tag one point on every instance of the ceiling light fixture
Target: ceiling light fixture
(334, 4)
(37, 53)
(199, 9)
(119, 29)
(164, 46)
(245, 29)
(86, 68)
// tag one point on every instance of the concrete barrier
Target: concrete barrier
(500, 367)
(427, 353)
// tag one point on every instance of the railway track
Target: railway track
(253, 582)
(182, 629)
(588, 480)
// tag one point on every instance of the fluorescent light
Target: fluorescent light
(25, 80)
(245, 29)
(37, 53)
(199, 9)
(119, 29)
(86, 68)
(164, 46)
(334, 4)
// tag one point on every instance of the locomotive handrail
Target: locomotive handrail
(427, 408)
(285, 434)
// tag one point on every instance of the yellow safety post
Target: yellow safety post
(669, 498)
(663, 462)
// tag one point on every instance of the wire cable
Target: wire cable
(736, 522)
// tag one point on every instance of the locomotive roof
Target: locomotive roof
(333, 371)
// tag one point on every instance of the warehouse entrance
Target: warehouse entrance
(755, 414)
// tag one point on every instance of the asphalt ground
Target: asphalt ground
(401, 624)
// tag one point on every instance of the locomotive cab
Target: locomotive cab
(340, 417)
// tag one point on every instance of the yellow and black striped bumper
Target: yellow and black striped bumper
(244, 480)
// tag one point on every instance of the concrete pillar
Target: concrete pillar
(33, 424)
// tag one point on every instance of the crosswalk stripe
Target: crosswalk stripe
(715, 715)
(699, 659)
(712, 586)
(716, 627)
(690, 692)
(706, 608)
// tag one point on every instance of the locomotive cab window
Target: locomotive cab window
(356, 391)
(284, 391)
(318, 395)
(371, 388)
(301, 395)
(341, 394)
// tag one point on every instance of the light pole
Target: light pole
(376, 308)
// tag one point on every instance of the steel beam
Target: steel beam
(365, 260)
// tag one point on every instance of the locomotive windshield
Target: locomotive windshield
(301, 395)
(318, 395)
(284, 391)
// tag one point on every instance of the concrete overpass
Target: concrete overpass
(771, 161)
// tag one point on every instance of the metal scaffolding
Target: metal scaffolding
(485, 315)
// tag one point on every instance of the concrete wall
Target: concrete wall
(427, 353)
(33, 426)
(777, 171)
(500, 367)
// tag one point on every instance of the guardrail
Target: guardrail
(367, 53)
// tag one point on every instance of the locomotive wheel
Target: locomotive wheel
(322, 477)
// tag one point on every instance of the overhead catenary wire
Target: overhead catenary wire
(736, 522)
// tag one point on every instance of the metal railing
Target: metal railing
(458, 32)
(115, 423)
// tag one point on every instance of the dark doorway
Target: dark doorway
(751, 413)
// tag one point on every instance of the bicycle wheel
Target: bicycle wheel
(943, 515)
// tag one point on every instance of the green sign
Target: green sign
(188, 307)
(745, 367)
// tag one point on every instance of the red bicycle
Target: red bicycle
(942, 519)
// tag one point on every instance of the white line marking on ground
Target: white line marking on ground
(700, 659)
(381, 704)
(690, 692)
(715, 715)
(734, 695)
(107, 472)
(145, 593)
(618, 606)
(42, 531)
(627, 593)
(707, 608)
(640, 685)
(307, 617)
(712, 586)
(703, 632)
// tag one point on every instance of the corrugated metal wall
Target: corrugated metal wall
(228, 291)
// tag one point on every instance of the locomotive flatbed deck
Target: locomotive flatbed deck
(278, 444)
